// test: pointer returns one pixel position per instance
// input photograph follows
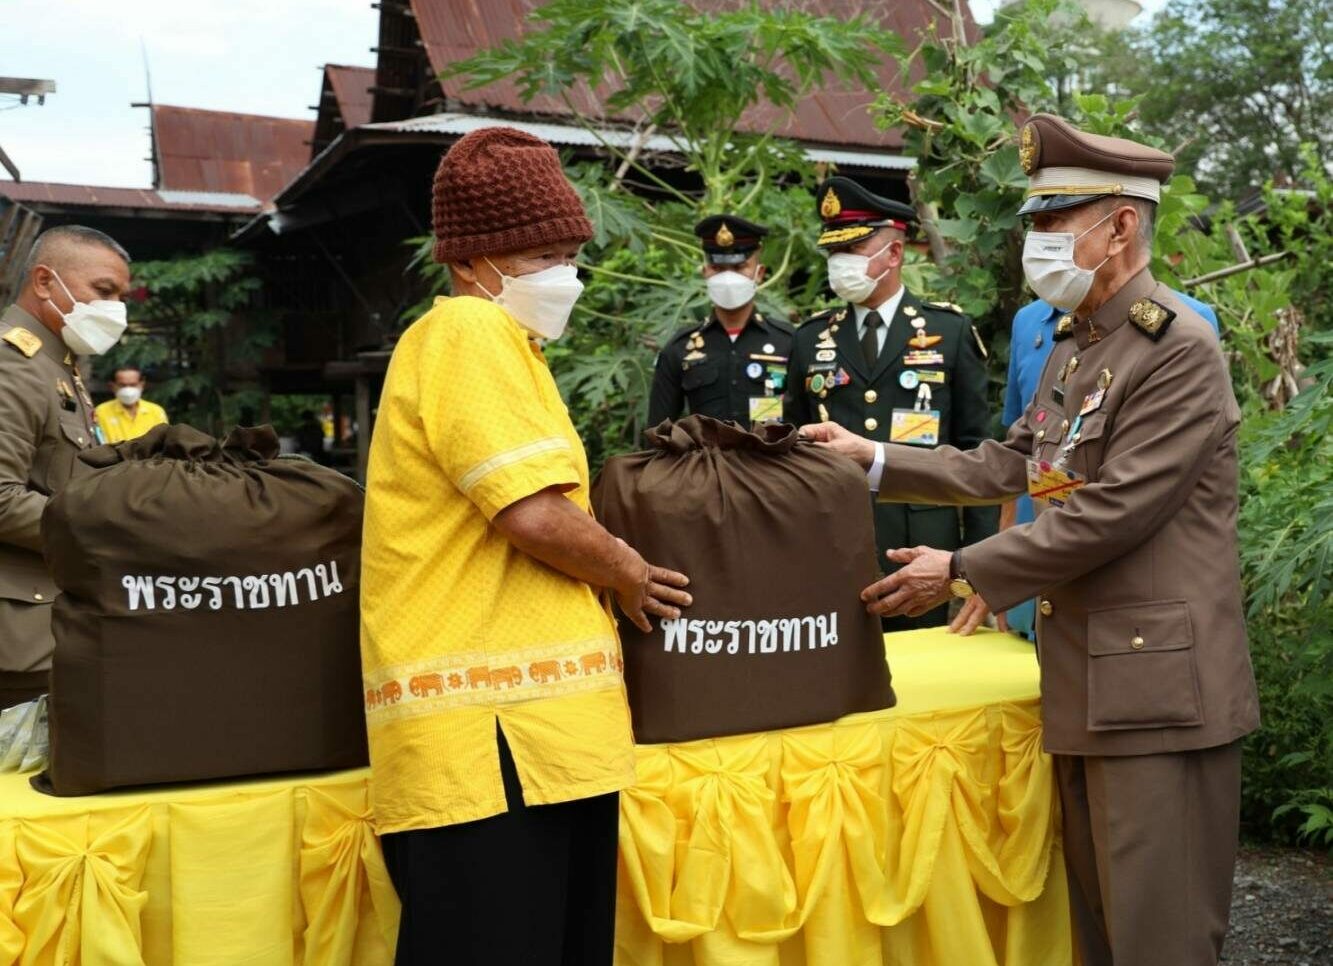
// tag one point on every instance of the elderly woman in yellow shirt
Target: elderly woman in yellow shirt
(499, 729)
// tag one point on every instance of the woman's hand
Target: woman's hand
(654, 592)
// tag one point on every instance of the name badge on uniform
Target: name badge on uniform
(1050, 483)
(765, 409)
(923, 358)
(915, 427)
(933, 377)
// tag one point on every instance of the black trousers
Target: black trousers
(535, 886)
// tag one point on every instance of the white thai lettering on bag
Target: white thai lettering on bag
(253, 592)
(684, 635)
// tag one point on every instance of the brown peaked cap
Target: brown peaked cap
(1089, 165)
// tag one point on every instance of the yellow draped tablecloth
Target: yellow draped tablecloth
(921, 835)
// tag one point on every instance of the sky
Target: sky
(254, 56)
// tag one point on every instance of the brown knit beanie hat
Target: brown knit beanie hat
(501, 190)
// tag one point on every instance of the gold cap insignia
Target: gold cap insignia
(831, 206)
(24, 341)
(1152, 317)
(1027, 149)
(724, 236)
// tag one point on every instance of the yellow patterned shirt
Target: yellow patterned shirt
(459, 629)
(118, 425)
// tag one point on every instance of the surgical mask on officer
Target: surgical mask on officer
(542, 301)
(91, 328)
(849, 275)
(1048, 263)
(730, 290)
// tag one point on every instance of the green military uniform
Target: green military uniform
(927, 386)
(46, 418)
(704, 368)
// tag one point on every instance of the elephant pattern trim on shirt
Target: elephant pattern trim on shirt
(448, 681)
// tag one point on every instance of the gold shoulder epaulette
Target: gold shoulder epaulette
(947, 306)
(1151, 317)
(1064, 328)
(23, 340)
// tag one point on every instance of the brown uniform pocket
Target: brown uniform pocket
(1141, 667)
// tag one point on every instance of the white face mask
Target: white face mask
(849, 275)
(128, 395)
(540, 302)
(1048, 263)
(91, 328)
(730, 290)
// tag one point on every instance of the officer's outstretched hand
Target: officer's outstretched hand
(831, 435)
(921, 585)
(970, 616)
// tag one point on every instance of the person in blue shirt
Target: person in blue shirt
(1030, 344)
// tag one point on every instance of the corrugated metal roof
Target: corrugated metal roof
(224, 152)
(351, 86)
(93, 196)
(453, 30)
(461, 124)
(212, 199)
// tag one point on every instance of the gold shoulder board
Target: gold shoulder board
(23, 340)
(1151, 317)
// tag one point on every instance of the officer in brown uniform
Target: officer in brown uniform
(1129, 451)
(70, 305)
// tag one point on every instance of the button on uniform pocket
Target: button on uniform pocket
(1141, 667)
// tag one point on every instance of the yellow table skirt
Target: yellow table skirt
(923, 835)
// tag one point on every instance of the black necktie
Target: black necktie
(870, 340)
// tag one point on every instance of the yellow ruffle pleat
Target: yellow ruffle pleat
(80, 900)
(350, 904)
(923, 839)
(264, 873)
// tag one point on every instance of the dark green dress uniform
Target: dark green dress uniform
(46, 418)
(931, 372)
(703, 369)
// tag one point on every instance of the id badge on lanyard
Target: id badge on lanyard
(918, 426)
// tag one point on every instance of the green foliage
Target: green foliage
(958, 124)
(677, 72)
(188, 334)
(1286, 528)
(686, 73)
(1238, 85)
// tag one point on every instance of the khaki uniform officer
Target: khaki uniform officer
(891, 367)
(73, 277)
(733, 366)
(1129, 452)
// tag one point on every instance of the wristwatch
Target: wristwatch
(959, 585)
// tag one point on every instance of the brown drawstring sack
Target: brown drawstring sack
(776, 536)
(207, 625)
